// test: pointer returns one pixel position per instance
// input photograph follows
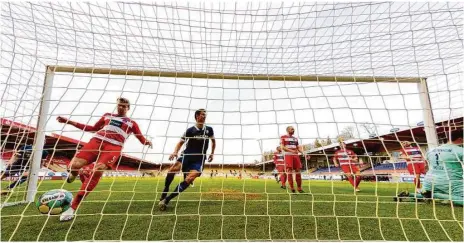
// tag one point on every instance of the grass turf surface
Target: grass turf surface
(232, 209)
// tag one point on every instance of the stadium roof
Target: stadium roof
(388, 141)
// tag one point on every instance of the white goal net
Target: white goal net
(372, 75)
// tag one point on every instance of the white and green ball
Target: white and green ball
(54, 201)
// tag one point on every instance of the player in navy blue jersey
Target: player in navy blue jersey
(192, 158)
(19, 165)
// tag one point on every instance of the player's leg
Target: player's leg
(193, 166)
(106, 160)
(347, 171)
(283, 176)
(192, 175)
(288, 159)
(412, 171)
(83, 157)
(297, 167)
(358, 177)
(173, 170)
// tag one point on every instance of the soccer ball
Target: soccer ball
(54, 202)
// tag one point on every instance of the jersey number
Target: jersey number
(437, 157)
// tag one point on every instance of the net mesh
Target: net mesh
(236, 195)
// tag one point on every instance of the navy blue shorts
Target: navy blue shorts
(192, 162)
(13, 169)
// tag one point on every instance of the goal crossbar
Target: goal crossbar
(235, 76)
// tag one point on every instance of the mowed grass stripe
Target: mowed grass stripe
(232, 209)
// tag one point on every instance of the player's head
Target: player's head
(200, 116)
(279, 149)
(123, 106)
(290, 130)
(405, 143)
(456, 137)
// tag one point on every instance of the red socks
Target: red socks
(89, 184)
(290, 180)
(283, 178)
(358, 180)
(298, 180)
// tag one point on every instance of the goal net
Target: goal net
(354, 80)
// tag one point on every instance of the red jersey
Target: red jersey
(290, 142)
(114, 129)
(278, 158)
(413, 155)
(345, 156)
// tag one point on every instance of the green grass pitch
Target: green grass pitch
(235, 210)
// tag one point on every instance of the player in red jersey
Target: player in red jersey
(417, 165)
(290, 146)
(280, 167)
(104, 148)
(348, 160)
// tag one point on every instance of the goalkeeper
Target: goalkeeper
(444, 180)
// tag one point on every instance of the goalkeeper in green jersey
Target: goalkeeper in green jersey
(444, 180)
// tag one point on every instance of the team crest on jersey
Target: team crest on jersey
(207, 131)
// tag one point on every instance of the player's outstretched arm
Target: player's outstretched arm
(83, 127)
(138, 134)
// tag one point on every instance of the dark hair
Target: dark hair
(124, 101)
(198, 112)
(456, 134)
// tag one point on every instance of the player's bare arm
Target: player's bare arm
(213, 148)
(176, 150)
(83, 127)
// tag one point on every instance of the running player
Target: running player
(415, 161)
(192, 158)
(347, 160)
(290, 148)
(19, 164)
(280, 167)
(104, 148)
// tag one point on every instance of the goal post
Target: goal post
(377, 74)
(39, 140)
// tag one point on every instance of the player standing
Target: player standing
(347, 160)
(444, 179)
(290, 147)
(19, 163)
(192, 158)
(104, 149)
(415, 161)
(280, 167)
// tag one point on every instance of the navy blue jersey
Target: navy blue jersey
(197, 140)
(25, 153)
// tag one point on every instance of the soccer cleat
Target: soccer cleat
(400, 196)
(293, 191)
(357, 190)
(283, 187)
(162, 205)
(5, 192)
(67, 215)
(71, 178)
(300, 191)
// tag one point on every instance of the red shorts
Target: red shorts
(416, 168)
(100, 152)
(280, 168)
(293, 162)
(350, 168)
